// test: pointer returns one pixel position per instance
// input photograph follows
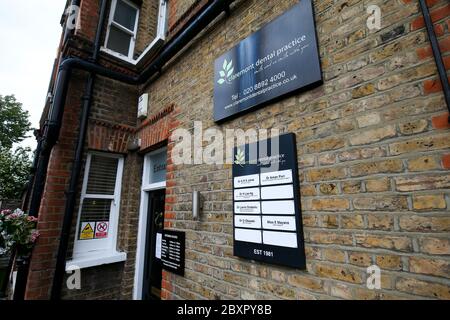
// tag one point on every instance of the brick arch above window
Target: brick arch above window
(105, 136)
(157, 128)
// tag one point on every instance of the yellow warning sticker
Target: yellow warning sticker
(87, 232)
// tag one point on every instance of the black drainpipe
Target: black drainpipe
(436, 52)
(30, 183)
(42, 154)
(204, 18)
(77, 163)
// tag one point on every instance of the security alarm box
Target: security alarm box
(143, 106)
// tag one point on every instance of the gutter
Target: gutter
(52, 125)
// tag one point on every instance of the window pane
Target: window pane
(125, 15)
(95, 210)
(102, 175)
(158, 167)
(94, 219)
(118, 41)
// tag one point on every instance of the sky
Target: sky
(29, 38)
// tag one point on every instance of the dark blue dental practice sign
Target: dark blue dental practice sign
(267, 217)
(280, 58)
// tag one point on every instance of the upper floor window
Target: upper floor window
(122, 27)
(135, 33)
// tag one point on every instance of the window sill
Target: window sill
(98, 260)
(118, 55)
(148, 52)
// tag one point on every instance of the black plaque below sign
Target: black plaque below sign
(267, 220)
(172, 251)
(280, 58)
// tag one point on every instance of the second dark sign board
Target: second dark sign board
(266, 201)
(173, 246)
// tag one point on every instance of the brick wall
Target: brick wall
(114, 102)
(181, 11)
(147, 26)
(373, 148)
(178, 8)
(88, 19)
(97, 283)
(111, 103)
(52, 204)
(373, 159)
(129, 221)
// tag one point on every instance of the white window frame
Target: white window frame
(132, 33)
(154, 45)
(88, 253)
(146, 188)
(162, 20)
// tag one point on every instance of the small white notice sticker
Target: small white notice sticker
(158, 246)
(253, 207)
(253, 222)
(276, 177)
(246, 194)
(279, 223)
(251, 180)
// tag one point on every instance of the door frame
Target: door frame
(142, 227)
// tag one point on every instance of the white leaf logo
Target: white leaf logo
(239, 157)
(226, 73)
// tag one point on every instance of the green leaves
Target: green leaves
(227, 71)
(239, 157)
(15, 163)
(14, 170)
(14, 124)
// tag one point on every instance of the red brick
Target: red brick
(169, 215)
(427, 52)
(441, 121)
(446, 161)
(446, 62)
(439, 30)
(432, 86)
(436, 15)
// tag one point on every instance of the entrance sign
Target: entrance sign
(280, 58)
(267, 218)
(172, 251)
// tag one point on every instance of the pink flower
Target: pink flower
(32, 219)
(34, 236)
(5, 212)
(13, 215)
